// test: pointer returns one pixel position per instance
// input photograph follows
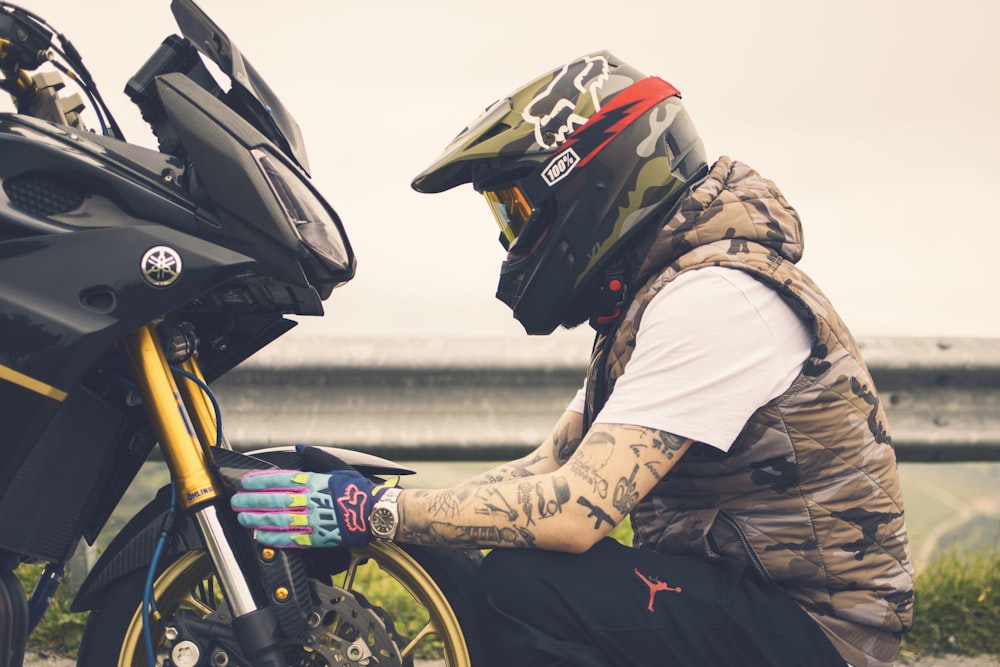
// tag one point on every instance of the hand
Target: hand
(295, 509)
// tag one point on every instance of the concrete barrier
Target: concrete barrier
(495, 399)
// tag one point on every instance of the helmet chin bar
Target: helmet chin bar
(600, 302)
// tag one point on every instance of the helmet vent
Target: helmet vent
(489, 134)
(43, 195)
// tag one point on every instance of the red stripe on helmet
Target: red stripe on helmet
(620, 112)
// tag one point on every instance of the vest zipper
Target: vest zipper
(747, 548)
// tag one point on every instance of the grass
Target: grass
(407, 615)
(957, 608)
(59, 630)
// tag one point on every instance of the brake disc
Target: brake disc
(346, 629)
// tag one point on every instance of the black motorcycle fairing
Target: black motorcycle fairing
(78, 213)
(52, 175)
(250, 95)
(229, 155)
(58, 180)
(132, 549)
(53, 333)
(55, 327)
(47, 500)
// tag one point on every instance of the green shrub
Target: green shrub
(957, 607)
(59, 630)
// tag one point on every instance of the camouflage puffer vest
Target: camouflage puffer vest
(809, 491)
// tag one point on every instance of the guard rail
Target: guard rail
(495, 399)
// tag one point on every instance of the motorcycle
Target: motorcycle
(130, 280)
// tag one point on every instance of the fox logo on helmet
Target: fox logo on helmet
(553, 111)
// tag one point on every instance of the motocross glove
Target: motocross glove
(295, 509)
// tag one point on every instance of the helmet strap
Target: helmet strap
(610, 298)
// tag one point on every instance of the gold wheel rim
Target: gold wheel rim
(174, 588)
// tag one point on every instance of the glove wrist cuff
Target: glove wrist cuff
(354, 500)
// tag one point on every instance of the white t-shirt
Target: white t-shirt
(714, 345)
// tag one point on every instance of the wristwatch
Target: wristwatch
(385, 517)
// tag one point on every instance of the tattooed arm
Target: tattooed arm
(551, 454)
(567, 504)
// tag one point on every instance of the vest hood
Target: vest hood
(734, 202)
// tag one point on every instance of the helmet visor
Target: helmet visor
(511, 209)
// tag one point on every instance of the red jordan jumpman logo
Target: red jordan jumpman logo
(655, 586)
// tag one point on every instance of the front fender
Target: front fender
(132, 549)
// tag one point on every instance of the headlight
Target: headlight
(315, 224)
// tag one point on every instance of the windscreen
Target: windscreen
(251, 97)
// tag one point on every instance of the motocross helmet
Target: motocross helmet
(573, 165)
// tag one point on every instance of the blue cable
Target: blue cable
(147, 592)
(211, 397)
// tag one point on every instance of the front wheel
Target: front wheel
(414, 605)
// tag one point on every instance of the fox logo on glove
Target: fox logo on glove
(352, 508)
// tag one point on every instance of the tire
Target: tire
(440, 626)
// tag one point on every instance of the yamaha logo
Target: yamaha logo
(161, 266)
(560, 166)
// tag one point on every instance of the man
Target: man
(727, 409)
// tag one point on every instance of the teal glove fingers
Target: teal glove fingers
(274, 520)
(288, 509)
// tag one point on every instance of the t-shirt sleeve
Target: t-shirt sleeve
(713, 346)
(579, 401)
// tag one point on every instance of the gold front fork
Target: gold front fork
(201, 408)
(180, 439)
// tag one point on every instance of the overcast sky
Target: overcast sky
(878, 120)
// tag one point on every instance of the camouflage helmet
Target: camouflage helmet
(573, 165)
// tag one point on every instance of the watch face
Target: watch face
(383, 521)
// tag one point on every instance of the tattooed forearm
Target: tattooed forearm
(508, 471)
(626, 496)
(443, 504)
(467, 537)
(491, 501)
(537, 499)
(565, 442)
(467, 517)
(551, 505)
(538, 504)
(596, 513)
(584, 471)
(524, 497)
(655, 450)
(668, 443)
(600, 438)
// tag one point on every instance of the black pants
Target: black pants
(617, 606)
